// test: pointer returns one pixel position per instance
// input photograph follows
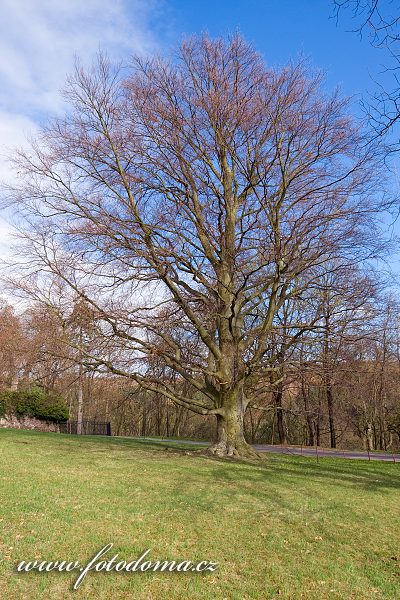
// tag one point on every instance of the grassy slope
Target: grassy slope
(286, 528)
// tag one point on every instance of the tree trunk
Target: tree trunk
(14, 382)
(331, 413)
(167, 418)
(80, 407)
(230, 437)
(144, 418)
(80, 388)
(369, 437)
(309, 421)
(278, 393)
(158, 416)
(305, 391)
(318, 425)
(252, 427)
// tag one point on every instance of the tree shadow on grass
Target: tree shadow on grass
(357, 474)
(286, 488)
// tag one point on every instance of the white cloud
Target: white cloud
(5, 239)
(14, 131)
(38, 42)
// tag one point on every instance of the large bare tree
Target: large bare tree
(185, 200)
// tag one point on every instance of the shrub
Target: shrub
(33, 402)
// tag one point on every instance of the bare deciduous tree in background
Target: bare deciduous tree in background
(184, 200)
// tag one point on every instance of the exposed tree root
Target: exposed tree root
(240, 449)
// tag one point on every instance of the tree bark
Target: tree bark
(331, 413)
(80, 406)
(144, 418)
(369, 437)
(79, 419)
(278, 394)
(309, 421)
(230, 440)
(318, 425)
(305, 394)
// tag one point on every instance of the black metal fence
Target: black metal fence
(88, 427)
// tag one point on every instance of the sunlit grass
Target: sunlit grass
(288, 527)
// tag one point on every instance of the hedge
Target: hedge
(33, 402)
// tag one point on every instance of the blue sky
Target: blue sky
(38, 41)
(284, 29)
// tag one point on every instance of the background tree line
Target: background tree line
(337, 386)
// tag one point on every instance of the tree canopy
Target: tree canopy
(186, 201)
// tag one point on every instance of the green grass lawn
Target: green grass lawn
(288, 527)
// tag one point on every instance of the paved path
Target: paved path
(305, 451)
(311, 451)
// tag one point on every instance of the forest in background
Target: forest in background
(339, 387)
